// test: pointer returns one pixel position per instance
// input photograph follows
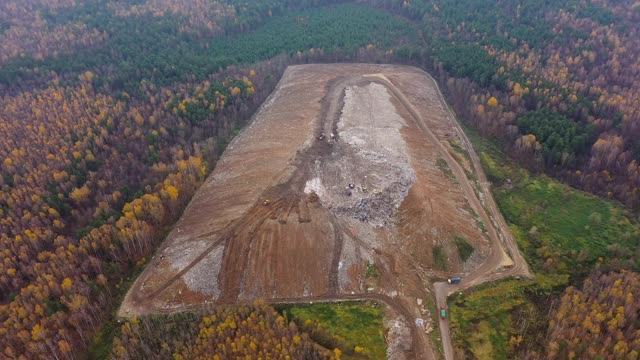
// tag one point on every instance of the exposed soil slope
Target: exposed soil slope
(346, 185)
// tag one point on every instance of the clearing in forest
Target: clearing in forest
(351, 182)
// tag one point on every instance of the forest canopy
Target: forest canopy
(155, 49)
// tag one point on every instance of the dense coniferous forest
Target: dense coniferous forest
(113, 113)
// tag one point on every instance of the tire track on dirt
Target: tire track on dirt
(226, 234)
(236, 251)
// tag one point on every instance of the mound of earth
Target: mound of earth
(343, 185)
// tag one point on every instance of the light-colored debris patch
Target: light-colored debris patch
(370, 123)
(369, 174)
(315, 186)
(185, 252)
(351, 274)
(203, 277)
(398, 336)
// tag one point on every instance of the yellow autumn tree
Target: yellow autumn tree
(64, 346)
(66, 284)
(36, 331)
(172, 192)
(79, 195)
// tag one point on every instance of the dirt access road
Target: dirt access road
(492, 268)
(498, 265)
(346, 170)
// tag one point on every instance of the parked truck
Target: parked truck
(454, 280)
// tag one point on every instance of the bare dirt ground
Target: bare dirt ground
(340, 189)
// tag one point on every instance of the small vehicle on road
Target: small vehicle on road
(443, 313)
(454, 280)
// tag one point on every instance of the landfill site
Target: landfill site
(351, 182)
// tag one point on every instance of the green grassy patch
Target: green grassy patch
(444, 167)
(485, 320)
(480, 224)
(465, 250)
(481, 347)
(355, 328)
(481, 327)
(457, 147)
(560, 229)
(440, 261)
(372, 271)
(564, 234)
(430, 304)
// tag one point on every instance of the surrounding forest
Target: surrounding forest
(113, 113)
(566, 236)
(256, 332)
(351, 331)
